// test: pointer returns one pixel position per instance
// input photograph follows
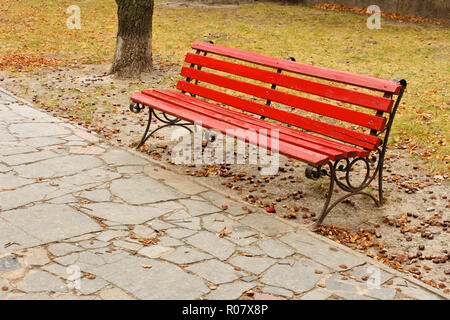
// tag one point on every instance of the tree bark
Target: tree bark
(133, 54)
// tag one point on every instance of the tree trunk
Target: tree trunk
(133, 53)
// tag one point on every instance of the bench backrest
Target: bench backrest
(221, 72)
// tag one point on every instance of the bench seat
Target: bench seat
(292, 143)
(336, 122)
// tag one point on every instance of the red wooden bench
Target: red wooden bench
(309, 130)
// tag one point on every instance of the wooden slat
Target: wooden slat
(309, 70)
(325, 109)
(316, 88)
(284, 148)
(350, 150)
(224, 114)
(339, 133)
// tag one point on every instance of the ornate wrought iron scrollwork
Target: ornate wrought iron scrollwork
(136, 107)
(167, 122)
(315, 173)
(347, 166)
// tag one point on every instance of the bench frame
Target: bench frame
(373, 165)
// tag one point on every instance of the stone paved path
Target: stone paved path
(81, 219)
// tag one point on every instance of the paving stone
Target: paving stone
(124, 213)
(382, 293)
(316, 294)
(187, 221)
(29, 130)
(9, 263)
(68, 259)
(111, 234)
(33, 115)
(51, 222)
(90, 286)
(24, 195)
(142, 190)
(11, 148)
(86, 136)
(143, 231)
(268, 225)
(35, 296)
(155, 251)
(58, 167)
(241, 241)
(118, 157)
(12, 237)
(71, 297)
(97, 195)
(277, 291)
(163, 281)
(242, 235)
(234, 207)
(36, 256)
(254, 251)
(320, 251)
(62, 249)
(12, 181)
(87, 259)
(373, 272)
(92, 244)
(37, 142)
(159, 225)
(37, 281)
(212, 244)
(275, 249)
(82, 237)
(336, 284)
(130, 169)
(351, 296)
(114, 294)
(4, 169)
(214, 271)
(299, 277)
(127, 245)
(182, 184)
(230, 291)
(198, 208)
(89, 177)
(58, 270)
(249, 278)
(115, 256)
(92, 150)
(66, 199)
(217, 222)
(255, 265)
(262, 296)
(184, 255)
(4, 283)
(415, 292)
(169, 242)
(24, 158)
(179, 233)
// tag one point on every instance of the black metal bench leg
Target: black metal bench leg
(146, 135)
(345, 185)
(326, 205)
(136, 108)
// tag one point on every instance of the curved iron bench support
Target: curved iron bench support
(168, 122)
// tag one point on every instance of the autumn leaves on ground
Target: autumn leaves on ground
(64, 72)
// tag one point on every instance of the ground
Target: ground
(83, 219)
(416, 177)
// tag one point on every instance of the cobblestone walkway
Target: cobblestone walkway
(81, 219)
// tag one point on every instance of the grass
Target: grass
(417, 52)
